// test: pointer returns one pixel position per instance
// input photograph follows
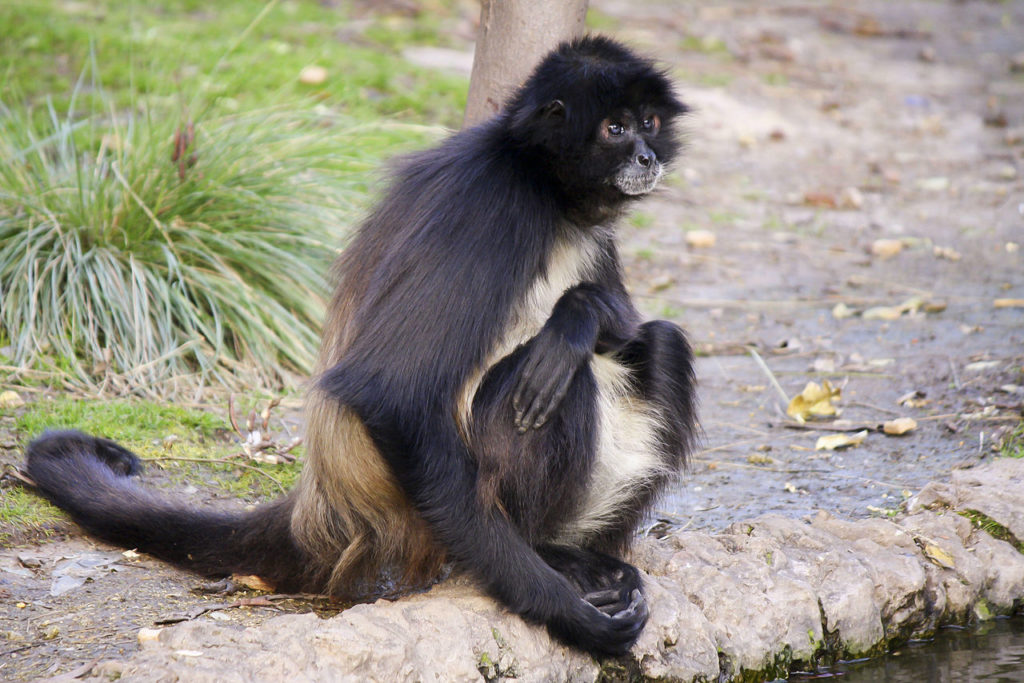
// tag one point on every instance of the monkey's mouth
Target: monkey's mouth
(635, 182)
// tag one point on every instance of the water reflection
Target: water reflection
(993, 651)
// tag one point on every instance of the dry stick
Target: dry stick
(223, 461)
(956, 377)
(864, 404)
(767, 371)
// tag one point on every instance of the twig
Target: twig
(880, 409)
(222, 461)
(258, 601)
(15, 473)
(767, 371)
(831, 426)
(956, 376)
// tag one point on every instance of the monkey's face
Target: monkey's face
(627, 142)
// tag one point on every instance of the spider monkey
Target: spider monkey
(486, 392)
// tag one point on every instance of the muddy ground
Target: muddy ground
(819, 129)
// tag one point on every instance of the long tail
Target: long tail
(90, 478)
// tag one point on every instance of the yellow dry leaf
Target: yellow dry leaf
(252, 581)
(939, 556)
(832, 442)
(814, 401)
(841, 310)
(312, 75)
(10, 399)
(886, 248)
(911, 305)
(700, 239)
(1008, 303)
(901, 425)
(883, 313)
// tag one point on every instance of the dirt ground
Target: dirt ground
(862, 155)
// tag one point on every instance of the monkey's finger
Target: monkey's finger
(546, 398)
(637, 610)
(555, 400)
(603, 598)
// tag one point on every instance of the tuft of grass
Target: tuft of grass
(143, 250)
(992, 528)
(132, 422)
(25, 516)
(198, 455)
(1013, 445)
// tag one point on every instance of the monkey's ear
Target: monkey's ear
(555, 109)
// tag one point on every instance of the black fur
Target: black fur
(444, 263)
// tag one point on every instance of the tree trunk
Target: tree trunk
(514, 35)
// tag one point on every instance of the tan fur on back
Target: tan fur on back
(349, 511)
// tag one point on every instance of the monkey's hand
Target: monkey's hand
(545, 375)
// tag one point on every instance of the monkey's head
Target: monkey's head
(601, 117)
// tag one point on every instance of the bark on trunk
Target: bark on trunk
(513, 36)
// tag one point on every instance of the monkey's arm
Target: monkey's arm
(587, 318)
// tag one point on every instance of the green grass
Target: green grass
(992, 528)
(200, 439)
(1013, 445)
(238, 55)
(125, 270)
(137, 423)
(122, 268)
(25, 516)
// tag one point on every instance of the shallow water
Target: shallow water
(993, 651)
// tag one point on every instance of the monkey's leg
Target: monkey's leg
(540, 477)
(435, 466)
(661, 370)
(662, 365)
(536, 476)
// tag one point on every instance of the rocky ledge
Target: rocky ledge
(743, 604)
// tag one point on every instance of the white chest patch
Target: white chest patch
(628, 455)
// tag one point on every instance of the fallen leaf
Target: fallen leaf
(938, 556)
(948, 253)
(913, 399)
(814, 401)
(982, 365)
(662, 282)
(700, 239)
(851, 198)
(841, 311)
(1008, 303)
(149, 635)
(824, 200)
(911, 305)
(312, 75)
(252, 581)
(833, 442)
(882, 313)
(899, 426)
(937, 184)
(10, 399)
(886, 248)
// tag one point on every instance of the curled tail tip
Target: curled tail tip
(66, 446)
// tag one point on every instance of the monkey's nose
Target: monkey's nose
(643, 159)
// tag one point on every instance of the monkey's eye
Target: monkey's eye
(650, 122)
(615, 129)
